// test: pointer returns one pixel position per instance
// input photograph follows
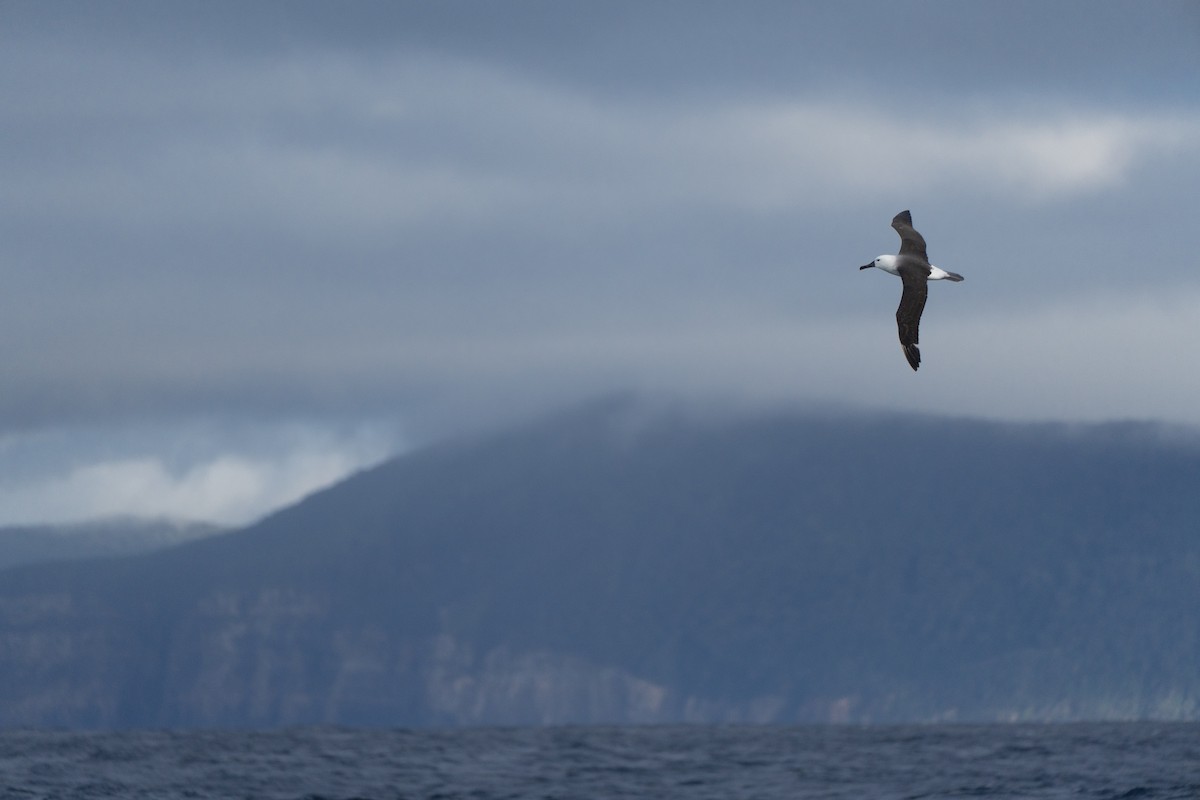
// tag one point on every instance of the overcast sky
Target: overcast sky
(247, 247)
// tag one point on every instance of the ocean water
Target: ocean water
(1129, 760)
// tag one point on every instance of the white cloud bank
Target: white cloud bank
(1023, 155)
(171, 477)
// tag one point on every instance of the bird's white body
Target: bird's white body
(891, 264)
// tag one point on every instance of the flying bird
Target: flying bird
(912, 266)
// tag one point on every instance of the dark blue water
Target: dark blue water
(1135, 760)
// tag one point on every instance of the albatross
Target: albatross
(912, 266)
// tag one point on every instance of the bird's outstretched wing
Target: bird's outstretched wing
(911, 242)
(908, 317)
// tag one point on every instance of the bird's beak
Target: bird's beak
(867, 266)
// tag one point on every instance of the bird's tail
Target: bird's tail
(939, 274)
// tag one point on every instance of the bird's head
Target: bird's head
(885, 263)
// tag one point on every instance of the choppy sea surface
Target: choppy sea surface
(1125, 760)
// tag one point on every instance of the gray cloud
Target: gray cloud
(225, 471)
(441, 211)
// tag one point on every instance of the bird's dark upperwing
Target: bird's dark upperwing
(911, 242)
(908, 315)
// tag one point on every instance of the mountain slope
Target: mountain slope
(625, 564)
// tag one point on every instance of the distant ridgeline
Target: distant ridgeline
(29, 544)
(631, 564)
